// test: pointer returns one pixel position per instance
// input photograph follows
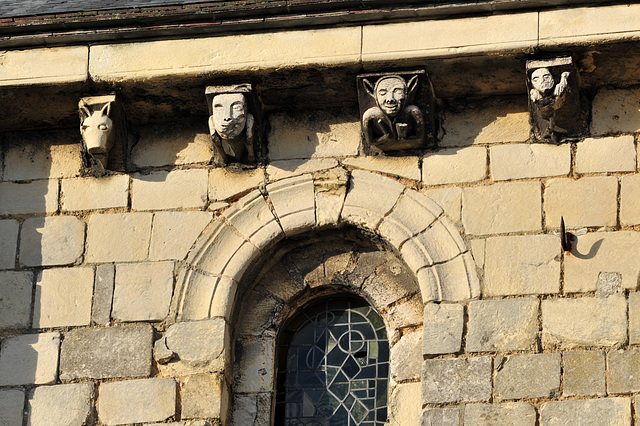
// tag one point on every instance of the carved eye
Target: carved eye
(217, 106)
(102, 127)
(83, 127)
(382, 92)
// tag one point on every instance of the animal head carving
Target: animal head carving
(96, 129)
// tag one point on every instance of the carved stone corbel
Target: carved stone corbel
(396, 110)
(235, 124)
(557, 108)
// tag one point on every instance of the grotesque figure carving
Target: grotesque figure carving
(96, 128)
(547, 97)
(232, 126)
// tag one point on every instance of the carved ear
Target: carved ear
(412, 84)
(84, 110)
(368, 86)
(106, 109)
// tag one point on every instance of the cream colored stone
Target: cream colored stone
(195, 57)
(57, 156)
(434, 38)
(169, 190)
(277, 170)
(450, 199)
(142, 291)
(294, 202)
(452, 281)
(519, 265)
(615, 111)
(205, 395)
(613, 154)
(501, 208)
(405, 405)
(136, 401)
(225, 183)
(630, 200)
(68, 404)
(63, 297)
(455, 165)
(9, 238)
(405, 361)
(412, 214)
(503, 120)
(441, 242)
(406, 167)
(590, 201)
(478, 250)
(118, 237)
(163, 145)
(517, 161)
(53, 240)
(331, 189)
(253, 219)
(583, 373)
(505, 414)
(95, 193)
(600, 252)
(29, 359)
(174, 233)
(39, 196)
(600, 411)
(25, 67)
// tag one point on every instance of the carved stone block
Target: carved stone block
(396, 110)
(557, 107)
(235, 124)
(104, 133)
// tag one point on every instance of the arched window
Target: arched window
(333, 366)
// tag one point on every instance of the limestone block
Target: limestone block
(207, 296)
(282, 169)
(583, 373)
(406, 167)
(499, 121)
(29, 359)
(455, 165)
(8, 243)
(67, 404)
(441, 242)
(64, 65)
(174, 233)
(518, 265)
(162, 145)
(615, 111)
(630, 200)
(441, 417)
(169, 190)
(264, 308)
(568, 198)
(405, 404)
(443, 324)
(456, 380)
(501, 208)
(253, 219)
(313, 134)
(518, 161)
(623, 368)
(478, 249)
(406, 357)
(252, 409)
(502, 325)
(294, 202)
(634, 318)
(451, 281)
(40, 196)
(103, 293)
(613, 154)
(54, 240)
(91, 193)
(413, 214)
(369, 199)
(528, 376)
(100, 353)
(30, 157)
(586, 321)
(205, 396)
(11, 406)
(225, 183)
(255, 365)
(142, 291)
(16, 288)
(505, 414)
(331, 190)
(136, 401)
(450, 199)
(119, 237)
(600, 252)
(602, 411)
(63, 297)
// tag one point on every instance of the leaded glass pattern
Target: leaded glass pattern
(333, 366)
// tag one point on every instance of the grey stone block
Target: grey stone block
(584, 373)
(507, 414)
(67, 404)
(592, 412)
(9, 238)
(443, 325)
(16, 288)
(11, 406)
(623, 370)
(103, 293)
(527, 376)
(456, 380)
(205, 396)
(441, 417)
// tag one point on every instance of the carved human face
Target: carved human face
(229, 114)
(391, 93)
(542, 80)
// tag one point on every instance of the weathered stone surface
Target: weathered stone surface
(252, 217)
(282, 169)
(502, 325)
(294, 202)
(450, 199)
(65, 404)
(137, 401)
(623, 369)
(66, 65)
(587, 321)
(412, 215)
(57, 156)
(454, 165)
(254, 360)
(602, 411)
(406, 357)
(63, 297)
(103, 293)
(225, 183)
(441, 417)
(503, 120)
(503, 207)
(16, 289)
(599, 252)
(252, 409)
(615, 111)
(630, 200)
(528, 376)
(118, 237)
(261, 314)
(443, 324)
(331, 189)
(405, 404)
(11, 406)
(518, 161)
(634, 318)
(29, 359)
(208, 296)
(175, 143)
(406, 167)
(613, 154)
(47, 241)
(452, 281)
(174, 233)
(91, 193)
(142, 291)
(566, 198)
(478, 249)
(456, 380)
(583, 373)
(169, 190)
(517, 265)
(39, 196)
(205, 396)
(101, 353)
(505, 414)
(9, 237)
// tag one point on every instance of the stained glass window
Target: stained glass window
(333, 366)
